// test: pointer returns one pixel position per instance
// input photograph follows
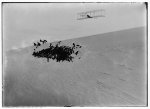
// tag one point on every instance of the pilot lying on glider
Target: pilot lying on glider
(88, 16)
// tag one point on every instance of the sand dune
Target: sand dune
(111, 72)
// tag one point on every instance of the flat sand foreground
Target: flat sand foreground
(112, 71)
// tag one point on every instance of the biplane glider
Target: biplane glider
(91, 14)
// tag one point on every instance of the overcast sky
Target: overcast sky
(25, 22)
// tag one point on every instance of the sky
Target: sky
(24, 23)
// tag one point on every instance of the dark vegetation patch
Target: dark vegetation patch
(56, 51)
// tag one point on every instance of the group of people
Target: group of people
(58, 52)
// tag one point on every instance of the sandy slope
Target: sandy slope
(111, 72)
